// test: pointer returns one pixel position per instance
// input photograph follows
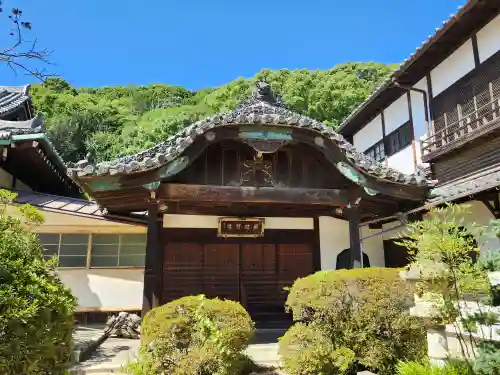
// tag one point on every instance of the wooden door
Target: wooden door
(221, 271)
(294, 261)
(182, 271)
(259, 281)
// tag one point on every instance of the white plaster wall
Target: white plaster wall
(334, 238)
(403, 160)
(5, 179)
(488, 41)
(210, 222)
(105, 289)
(369, 135)
(418, 109)
(396, 114)
(373, 247)
(454, 67)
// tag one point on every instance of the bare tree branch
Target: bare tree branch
(19, 55)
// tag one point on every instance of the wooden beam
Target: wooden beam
(317, 246)
(353, 215)
(154, 254)
(194, 193)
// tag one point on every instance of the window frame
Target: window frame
(59, 243)
(371, 151)
(403, 132)
(89, 254)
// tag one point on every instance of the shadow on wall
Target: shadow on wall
(344, 260)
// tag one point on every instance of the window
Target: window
(377, 151)
(399, 139)
(71, 249)
(107, 250)
(110, 250)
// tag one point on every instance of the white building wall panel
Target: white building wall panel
(488, 39)
(396, 114)
(403, 160)
(334, 238)
(369, 135)
(454, 67)
(212, 222)
(105, 289)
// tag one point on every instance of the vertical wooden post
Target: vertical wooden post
(152, 270)
(354, 239)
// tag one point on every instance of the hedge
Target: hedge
(360, 317)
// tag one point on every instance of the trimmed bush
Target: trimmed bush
(194, 335)
(418, 368)
(36, 310)
(351, 320)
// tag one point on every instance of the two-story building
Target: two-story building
(440, 111)
(101, 257)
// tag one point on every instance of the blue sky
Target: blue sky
(196, 43)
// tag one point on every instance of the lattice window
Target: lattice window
(377, 151)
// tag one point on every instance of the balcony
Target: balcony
(453, 129)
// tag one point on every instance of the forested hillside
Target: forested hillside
(113, 121)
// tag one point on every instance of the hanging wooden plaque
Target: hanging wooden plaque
(235, 227)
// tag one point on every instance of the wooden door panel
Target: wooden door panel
(182, 271)
(221, 271)
(295, 261)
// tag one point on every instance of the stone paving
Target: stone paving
(115, 353)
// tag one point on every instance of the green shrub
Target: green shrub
(194, 335)
(418, 368)
(360, 311)
(36, 310)
(487, 361)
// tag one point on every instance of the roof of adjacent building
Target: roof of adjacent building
(446, 39)
(479, 181)
(65, 205)
(11, 98)
(256, 110)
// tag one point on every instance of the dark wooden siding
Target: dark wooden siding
(469, 99)
(468, 160)
(298, 166)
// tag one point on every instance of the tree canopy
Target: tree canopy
(112, 121)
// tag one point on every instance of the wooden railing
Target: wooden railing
(451, 134)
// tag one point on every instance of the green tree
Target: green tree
(114, 121)
(36, 310)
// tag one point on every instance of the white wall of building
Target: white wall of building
(212, 222)
(488, 42)
(334, 238)
(369, 135)
(396, 114)
(105, 289)
(454, 67)
(403, 160)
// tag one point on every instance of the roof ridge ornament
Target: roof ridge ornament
(263, 93)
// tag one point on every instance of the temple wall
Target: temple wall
(334, 238)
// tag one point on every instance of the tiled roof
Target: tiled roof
(10, 128)
(11, 98)
(410, 60)
(254, 111)
(486, 179)
(72, 206)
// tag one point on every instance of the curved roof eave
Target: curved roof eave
(256, 111)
